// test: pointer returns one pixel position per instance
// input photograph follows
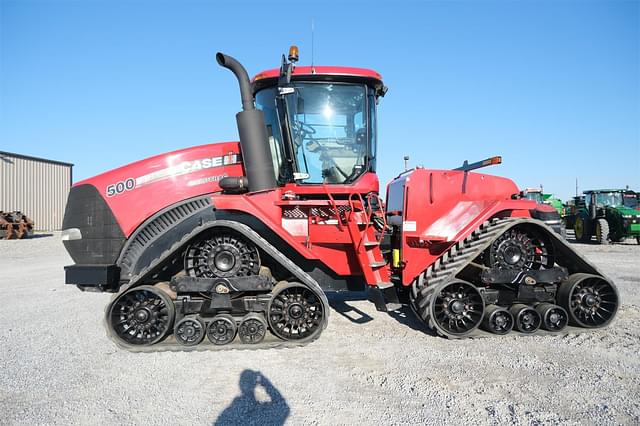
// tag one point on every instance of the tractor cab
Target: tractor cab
(320, 121)
(534, 194)
(603, 198)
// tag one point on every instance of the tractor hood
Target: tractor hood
(138, 190)
(627, 211)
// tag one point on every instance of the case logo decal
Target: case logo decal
(184, 168)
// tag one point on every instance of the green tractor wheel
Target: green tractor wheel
(602, 231)
(579, 227)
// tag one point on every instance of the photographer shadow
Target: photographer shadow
(246, 409)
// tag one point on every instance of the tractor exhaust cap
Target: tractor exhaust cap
(240, 72)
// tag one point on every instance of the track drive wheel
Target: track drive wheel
(590, 300)
(602, 231)
(294, 312)
(521, 247)
(222, 329)
(189, 331)
(223, 255)
(141, 316)
(453, 309)
(581, 231)
(253, 328)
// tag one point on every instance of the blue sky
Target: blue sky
(552, 86)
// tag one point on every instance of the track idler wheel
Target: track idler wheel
(295, 312)
(456, 308)
(141, 316)
(526, 319)
(497, 320)
(590, 300)
(554, 317)
(189, 331)
(222, 329)
(253, 328)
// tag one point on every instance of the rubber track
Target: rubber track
(454, 260)
(270, 341)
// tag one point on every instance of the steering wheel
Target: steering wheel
(304, 128)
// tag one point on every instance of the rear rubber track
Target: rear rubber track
(454, 260)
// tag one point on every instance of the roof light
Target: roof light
(493, 160)
(293, 54)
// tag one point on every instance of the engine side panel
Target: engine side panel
(137, 191)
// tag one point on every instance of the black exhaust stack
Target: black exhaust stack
(254, 141)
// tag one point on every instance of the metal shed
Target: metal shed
(36, 186)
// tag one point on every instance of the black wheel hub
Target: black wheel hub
(527, 320)
(458, 308)
(222, 256)
(592, 304)
(499, 321)
(295, 312)
(252, 329)
(222, 330)
(189, 331)
(141, 316)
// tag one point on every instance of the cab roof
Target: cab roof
(320, 73)
(597, 191)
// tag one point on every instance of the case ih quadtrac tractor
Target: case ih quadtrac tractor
(237, 243)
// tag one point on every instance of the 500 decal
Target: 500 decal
(120, 187)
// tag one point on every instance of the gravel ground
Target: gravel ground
(57, 366)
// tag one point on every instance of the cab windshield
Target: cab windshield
(329, 131)
(608, 199)
(332, 131)
(535, 196)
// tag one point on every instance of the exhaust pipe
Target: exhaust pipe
(254, 142)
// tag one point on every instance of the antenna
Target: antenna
(576, 187)
(312, 31)
(406, 163)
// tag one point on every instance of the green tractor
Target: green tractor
(610, 214)
(554, 202)
(536, 195)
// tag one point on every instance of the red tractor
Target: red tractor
(243, 239)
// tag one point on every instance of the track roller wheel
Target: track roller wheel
(497, 320)
(189, 331)
(554, 317)
(141, 316)
(253, 328)
(294, 312)
(453, 309)
(222, 329)
(590, 300)
(527, 319)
